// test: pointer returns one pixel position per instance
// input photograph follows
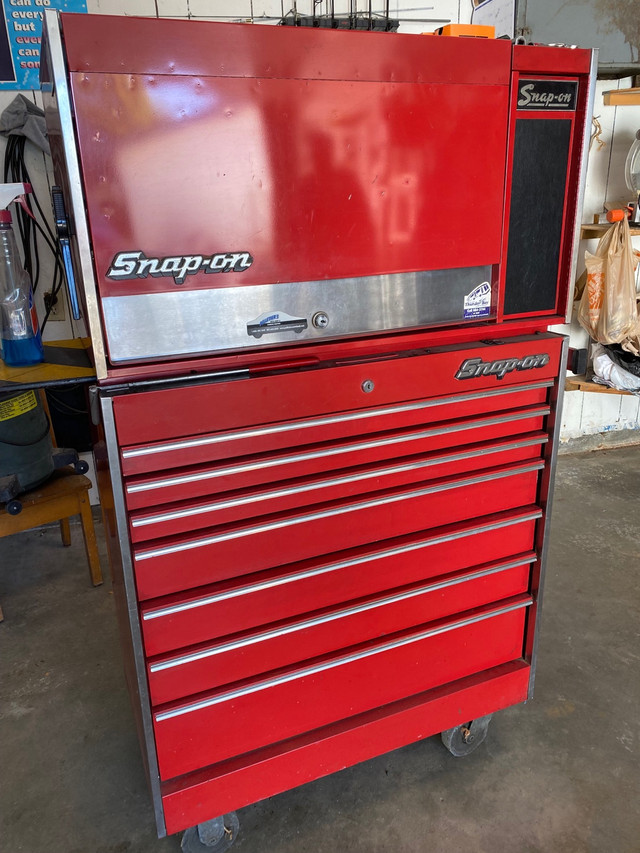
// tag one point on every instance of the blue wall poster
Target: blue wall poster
(20, 39)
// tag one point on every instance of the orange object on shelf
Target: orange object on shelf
(478, 31)
(616, 215)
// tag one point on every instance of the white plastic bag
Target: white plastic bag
(607, 372)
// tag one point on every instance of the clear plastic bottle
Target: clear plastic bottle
(21, 341)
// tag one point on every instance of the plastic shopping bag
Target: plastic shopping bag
(608, 309)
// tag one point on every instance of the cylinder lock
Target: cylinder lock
(320, 320)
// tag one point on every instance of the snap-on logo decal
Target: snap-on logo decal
(275, 321)
(472, 367)
(547, 95)
(131, 265)
(478, 302)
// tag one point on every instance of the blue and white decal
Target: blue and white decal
(275, 321)
(477, 304)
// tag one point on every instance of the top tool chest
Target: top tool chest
(319, 268)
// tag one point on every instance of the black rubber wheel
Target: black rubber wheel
(14, 507)
(81, 467)
(213, 836)
(462, 740)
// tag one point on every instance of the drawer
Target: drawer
(181, 563)
(279, 645)
(262, 711)
(174, 622)
(223, 444)
(248, 472)
(308, 492)
(327, 389)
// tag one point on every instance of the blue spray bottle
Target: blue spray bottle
(19, 328)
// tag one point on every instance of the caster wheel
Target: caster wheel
(14, 507)
(213, 836)
(462, 740)
(81, 467)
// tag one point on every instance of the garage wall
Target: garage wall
(590, 413)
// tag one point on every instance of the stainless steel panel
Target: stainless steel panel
(133, 614)
(547, 484)
(191, 322)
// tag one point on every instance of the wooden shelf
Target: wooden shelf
(594, 232)
(622, 97)
(65, 362)
(582, 383)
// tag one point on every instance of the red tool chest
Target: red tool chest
(319, 271)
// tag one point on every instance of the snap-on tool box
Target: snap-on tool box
(319, 268)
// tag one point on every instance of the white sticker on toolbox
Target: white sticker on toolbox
(478, 302)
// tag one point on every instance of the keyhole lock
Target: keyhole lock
(368, 385)
(320, 320)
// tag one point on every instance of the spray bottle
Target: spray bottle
(21, 341)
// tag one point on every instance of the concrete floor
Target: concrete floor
(558, 775)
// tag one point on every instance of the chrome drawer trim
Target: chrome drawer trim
(344, 613)
(251, 589)
(230, 695)
(294, 458)
(275, 525)
(292, 426)
(257, 497)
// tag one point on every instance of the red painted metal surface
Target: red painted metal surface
(184, 562)
(206, 734)
(261, 598)
(374, 424)
(307, 355)
(197, 669)
(351, 482)
(558, 61)
(169, 47)
(160, 415)
(248, 778)
(184, 483)
(382, 207)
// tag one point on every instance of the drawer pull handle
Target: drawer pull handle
(290, 426)
(294, 458)
(251, 589)
(229, 695)
(256, 497)
(302, 625)
(190, 544)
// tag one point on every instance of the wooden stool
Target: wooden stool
(63, 495)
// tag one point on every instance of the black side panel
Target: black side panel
(540, 162)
